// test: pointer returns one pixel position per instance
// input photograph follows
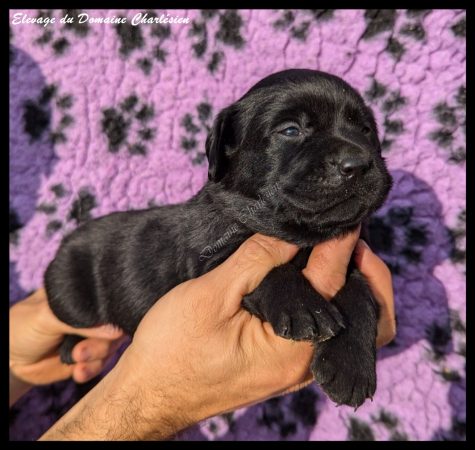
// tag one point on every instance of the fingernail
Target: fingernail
(364, 244)
(111, 329)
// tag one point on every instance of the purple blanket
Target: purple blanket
(108, 117)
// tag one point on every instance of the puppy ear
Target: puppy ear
(220, 136)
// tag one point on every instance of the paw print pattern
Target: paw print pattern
(37, 114)
(290, 22)
(399, 237)
(456, 432)
(56, 36)
(414, 27)
(389, 103)
(442, 336)
(359, 430)
(458, 238)
(284, 415)
(194, 126)
(460, 28)
(274, 417)
(379, 21)
(82, 206)
(128, 126)
(387, 420)
(439, 336)
(80, 210)
(451, 118)
(402, 236)
(383, 20)
(229, 33)
(133, 39)
(14, 226)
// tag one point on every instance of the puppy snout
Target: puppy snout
(353, 166)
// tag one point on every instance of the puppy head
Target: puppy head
(309, 134)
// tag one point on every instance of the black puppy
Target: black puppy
(298, 158)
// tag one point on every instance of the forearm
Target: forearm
(17, 388)
(119, 408)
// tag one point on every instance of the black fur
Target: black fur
(294, 187)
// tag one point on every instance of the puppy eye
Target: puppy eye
(366, 130)
(291, 132)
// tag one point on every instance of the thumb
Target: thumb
(328, 263)
(244, 270)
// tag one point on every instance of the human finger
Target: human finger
(379, 279)
(328, 263)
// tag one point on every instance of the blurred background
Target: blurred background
(108, 117)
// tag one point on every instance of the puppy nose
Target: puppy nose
(351, 166)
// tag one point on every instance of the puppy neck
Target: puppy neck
(252, 214)
(259, 215)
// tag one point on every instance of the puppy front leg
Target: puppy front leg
(345, 366)
(291, 305)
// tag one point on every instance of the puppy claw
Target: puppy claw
(345, 384)
(66, 348)
(283, 326)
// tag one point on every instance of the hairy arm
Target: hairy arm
(120, 408)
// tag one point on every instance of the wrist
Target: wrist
(123, 406)
(173, 392)
(156, 398)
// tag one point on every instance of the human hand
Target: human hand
(217, 356)
(379, 279)
(278, 365)
(35, 334)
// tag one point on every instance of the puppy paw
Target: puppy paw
(315, 321)
(345, 368)
(66, 348)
